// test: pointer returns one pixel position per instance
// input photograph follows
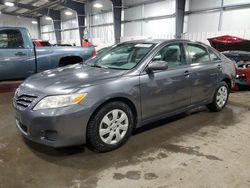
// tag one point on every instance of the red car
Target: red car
(238, 50)
(243, 75)
(41, 42)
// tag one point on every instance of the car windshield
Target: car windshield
(124, 56)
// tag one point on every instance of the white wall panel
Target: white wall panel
(71, 37)
(236, 19)
(132, 2)
(102, 36)
(72, 23)
(132, 29)
(102, 18)
(159, 28)
(231, 2)
(13, 21)
(202, 22)
(159, 8)
(152, 28)
(202, 4)
(50, 37)
(133, 13)
(47, 28)
(162, 28)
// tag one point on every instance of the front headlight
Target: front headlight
(58, 101)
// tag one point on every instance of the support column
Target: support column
(80, 10)
(81, 23)
(56, 17)
(221, 15)
(180, 14)
(39, 28)
(117, 12)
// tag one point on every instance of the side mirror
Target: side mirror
(157, 65)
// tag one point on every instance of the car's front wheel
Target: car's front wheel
(110, 127)
(220, 98)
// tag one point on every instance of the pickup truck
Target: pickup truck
(19, 58)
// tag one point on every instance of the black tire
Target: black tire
(94, 141)
(214, 107)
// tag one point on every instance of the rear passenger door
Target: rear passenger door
(17, 59)
(205, 68)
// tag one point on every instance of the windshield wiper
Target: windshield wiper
(98, 66)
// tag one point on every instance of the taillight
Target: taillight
(94, 53)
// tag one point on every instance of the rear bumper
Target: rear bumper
(55, 128)
(243, 81)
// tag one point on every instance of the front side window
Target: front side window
(173, 54)
(11, 39)
(125, 56)
(198, 54)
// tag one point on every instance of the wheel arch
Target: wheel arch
(69, 60)
(125, 100)
(228, 81)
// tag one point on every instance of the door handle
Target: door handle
(219, 66)
(20, 54)
(187, 74)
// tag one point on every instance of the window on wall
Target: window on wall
(174, 55)
(11, 39)
(198, 53)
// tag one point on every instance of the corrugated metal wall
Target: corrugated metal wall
(201, 26)
(14, 21)
(149, 25)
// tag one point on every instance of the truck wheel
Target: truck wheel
(110, 127)
(220, 98)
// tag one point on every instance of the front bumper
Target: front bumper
(54, 127)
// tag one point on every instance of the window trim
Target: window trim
(23, 42)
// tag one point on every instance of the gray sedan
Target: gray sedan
(132, 84)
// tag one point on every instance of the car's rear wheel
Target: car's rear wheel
(110, 127)
(220, 98)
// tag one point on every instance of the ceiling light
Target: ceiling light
(68, 13)
(48, 18)
(9, 4)
(98, 5)
(34, 22)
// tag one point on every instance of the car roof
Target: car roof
(157, 41)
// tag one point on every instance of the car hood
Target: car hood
(67, 79)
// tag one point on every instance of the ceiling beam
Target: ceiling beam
(43, 9)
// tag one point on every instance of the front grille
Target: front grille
(23, 101)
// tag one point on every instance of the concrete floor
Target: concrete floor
(197, 149)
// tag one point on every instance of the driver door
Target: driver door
(166, 91)
(17, 60)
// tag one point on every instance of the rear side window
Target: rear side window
(213, 56)
(11, 39)
(197, 53)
